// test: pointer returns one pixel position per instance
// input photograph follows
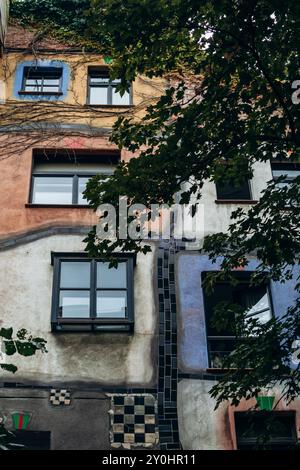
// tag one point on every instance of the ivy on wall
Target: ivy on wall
(66, 20)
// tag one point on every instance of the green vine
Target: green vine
(66, 21)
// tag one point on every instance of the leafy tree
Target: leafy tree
(231, 67)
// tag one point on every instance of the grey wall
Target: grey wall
(83, 425)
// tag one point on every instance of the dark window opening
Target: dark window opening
(30, 440)
(255, 300)
(290, 170)
(60, 178)
(42, 80)
(233, 191)
(89, 296)
(269, 430)
(102, 90)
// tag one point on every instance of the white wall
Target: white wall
(25, 292)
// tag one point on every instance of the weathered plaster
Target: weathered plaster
(84, 425)
(196, 417)
(114, 359)
(201, 427)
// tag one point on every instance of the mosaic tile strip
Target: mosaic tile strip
(133, 421)
(60, 397)
(167, 358)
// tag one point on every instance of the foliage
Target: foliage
(67, 20)
(23, 344)
(231, 65)
(229, 105)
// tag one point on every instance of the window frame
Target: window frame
(109, 86)
(250, 442)
(234, 199)
(75, 187)
(111, 324)
(243, 278)
(284, 166)
(27, 69)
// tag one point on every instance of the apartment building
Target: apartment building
(100, 324)
(131, 355)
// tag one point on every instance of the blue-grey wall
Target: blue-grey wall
(192, 336)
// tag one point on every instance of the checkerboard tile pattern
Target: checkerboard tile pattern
(133, 421)
(60, 397)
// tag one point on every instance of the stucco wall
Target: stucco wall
(15, 217)
(203, 428)
(83, 425)
(73, 103)
(114, 359)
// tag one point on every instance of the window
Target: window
(42, 80)
(254, 299)
(102, 90)
(59, 179)
(289, 170)
(265, 430)
(30, 440)
(229, 191)
(88, 296)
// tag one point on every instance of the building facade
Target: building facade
(130, 358)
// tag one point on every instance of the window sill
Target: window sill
(236, 201)
(56, 206)
(39, 93)
(219, 370)
(74, 325)
(107, 106)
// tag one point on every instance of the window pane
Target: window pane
(227, 190)
(35, 81)
(290, 174)
(121, 100)
(111, 278)
(255, 301)
(82, 181)
(51, 89)
(219, 349)
(74, 304)
(52, 190)
(111, 304)
(33, 88)
(98, 95)
(75, 274)
(99, 79)
(52, 81)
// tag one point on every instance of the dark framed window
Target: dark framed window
(232, 191)
(290, 170)
(60, 179)
(42, 80)
(30, 440)
(90, 296)
(255, 300)
(269, 430)
(102, 90)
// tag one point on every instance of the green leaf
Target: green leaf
(9, 368)
(6, 333)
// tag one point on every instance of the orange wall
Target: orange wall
(15, 217)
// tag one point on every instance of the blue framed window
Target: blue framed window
(42, 80)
